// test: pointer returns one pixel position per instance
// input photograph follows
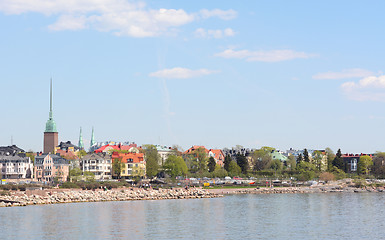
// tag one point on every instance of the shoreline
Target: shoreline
(287, 190)
(57, 196)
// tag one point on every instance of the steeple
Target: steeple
(50, 126)
(81, 145)
(92, 143)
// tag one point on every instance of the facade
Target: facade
(133, 164)
(218, 156)
(163, 152)
(99, 164)
(49, 167)
(15, 167)
(50, 134)
(351, 161)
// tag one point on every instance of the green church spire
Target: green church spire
(50, 126)
(92, 143)
(81, 144)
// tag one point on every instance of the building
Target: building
(218, 156)
(50, 167)
(10, 150)
(97, 163)
(163, 152)
(15, 167)
(110, 147)
(278, 155)
(351, 161)
(50, 133)
(133, 164)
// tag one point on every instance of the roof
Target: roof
(135, 157)
(194, 148)
(10, 150)
(66, 145)
(67, 154)
(56, 159)
(96, 156)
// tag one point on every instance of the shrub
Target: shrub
(327, 176)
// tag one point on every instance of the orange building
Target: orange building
(133, 164)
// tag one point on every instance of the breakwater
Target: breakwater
(71, 196)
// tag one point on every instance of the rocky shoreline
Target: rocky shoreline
(317, 189)
(74, 196)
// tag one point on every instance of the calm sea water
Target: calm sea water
(279, 216)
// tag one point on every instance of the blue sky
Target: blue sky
(299, 74)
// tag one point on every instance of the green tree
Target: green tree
(299, 159)
(364, 164)
(234, 169)
(219, 172)
(242, 163)
(175, 166)
(276, 165)
(81, 153)
(339, 161)
(117, 167)
(74, 174)
(317, 160)
(89, 176)
(291, 162)
(306, 155)
(227, 162)
(378, 167)
(31, 155)
(262, 158)
(152, 160)
(211, 165)
(330, 156)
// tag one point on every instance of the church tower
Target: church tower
(81, 144)
(50, 133)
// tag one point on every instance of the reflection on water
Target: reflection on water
(279, 216)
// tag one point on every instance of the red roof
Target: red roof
(128, 157)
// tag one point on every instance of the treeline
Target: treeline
(325, 165)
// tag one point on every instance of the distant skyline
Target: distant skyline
(284, 74)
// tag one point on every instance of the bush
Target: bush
(327, 176)
(306, 176)
(69, 185)
(4, 193)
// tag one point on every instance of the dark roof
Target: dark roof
(10, 150)
(66, 145)
(56, 159)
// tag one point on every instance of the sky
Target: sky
(219, 73)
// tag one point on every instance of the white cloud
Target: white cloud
(202, 33)
(121, 17)
(181, 73)
(264, 56)
(346, 73)
(222, 14)
(367, 89)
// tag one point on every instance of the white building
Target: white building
(163, 152)
(99, 164)
(16, 167)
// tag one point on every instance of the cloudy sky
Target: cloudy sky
(298, 74)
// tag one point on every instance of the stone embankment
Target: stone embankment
(317, 189)
(71, 196)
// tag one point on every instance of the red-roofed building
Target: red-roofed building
(194, 148)
(110, 147)
(351, 160)
(133, 164)
(67, 154)
(218, 155)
